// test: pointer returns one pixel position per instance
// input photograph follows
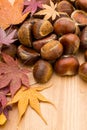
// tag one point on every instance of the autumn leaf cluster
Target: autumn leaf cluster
(14, 79)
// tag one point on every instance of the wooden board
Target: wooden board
(69, 94)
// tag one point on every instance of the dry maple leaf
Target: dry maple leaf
(29, 96)
(49, 11)
(7, 38)
(3, 119)
(3, 108)
(32, 6)
(12, 74)
(3, 99)
(4, 115)
(11, 14)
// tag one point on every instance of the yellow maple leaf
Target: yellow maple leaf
(11, 14)
(29, 96)
(3, 119)
(49, 11)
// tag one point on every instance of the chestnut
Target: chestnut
(72, 1)
(83, 71)
(45, 1)
(10, 50)
(82, 4)
(52, 50)
(70, 43)
(64, 25)
(37, 44)
(42, 71)
(83, 39)
(85, 55)
(80, 17)
(24, 34)
(41, 29)
(65, 6)
(67, 65)
(27, 55)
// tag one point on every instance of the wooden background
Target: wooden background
(69, 94)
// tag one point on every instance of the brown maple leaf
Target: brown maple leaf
(29, 96)
(11, 14)
(49, 11)
(12, 74)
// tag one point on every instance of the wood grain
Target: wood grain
(69, 94)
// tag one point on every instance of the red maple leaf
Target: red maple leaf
(12, 74)
(32, 5)
(3, 101)
(6, 38)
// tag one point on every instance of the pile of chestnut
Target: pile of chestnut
(53, 45)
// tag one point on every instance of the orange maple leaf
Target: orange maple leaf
(11, 14)
(32, 97)
(3, 119)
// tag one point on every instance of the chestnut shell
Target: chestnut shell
(64, 25)
(27, 55)
(52, 50)
(42, 71)
(70, 42)
(83, 39)
(67, 65)
(83, 71)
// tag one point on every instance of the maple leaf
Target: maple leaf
(4, 114)
(3, 99)
(11, 14)
(12, 74)
(29, 96)
(3, 108)
(32, 6)
(3, 119)
(7, 38)
(49, 11)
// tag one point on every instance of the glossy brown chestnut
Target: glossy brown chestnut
(45, 1)
(72, 1)
(83, 71)
(83, 39)
(80, 17)
(27, 55)
(10, 50)
(24, 34)
(82, 4)
(42, 71)
(65, 6)
(64, 25)
(85, 55)
(67, 66)
(70, 42)
(39, 43)
(42, 28)
(52, 50)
